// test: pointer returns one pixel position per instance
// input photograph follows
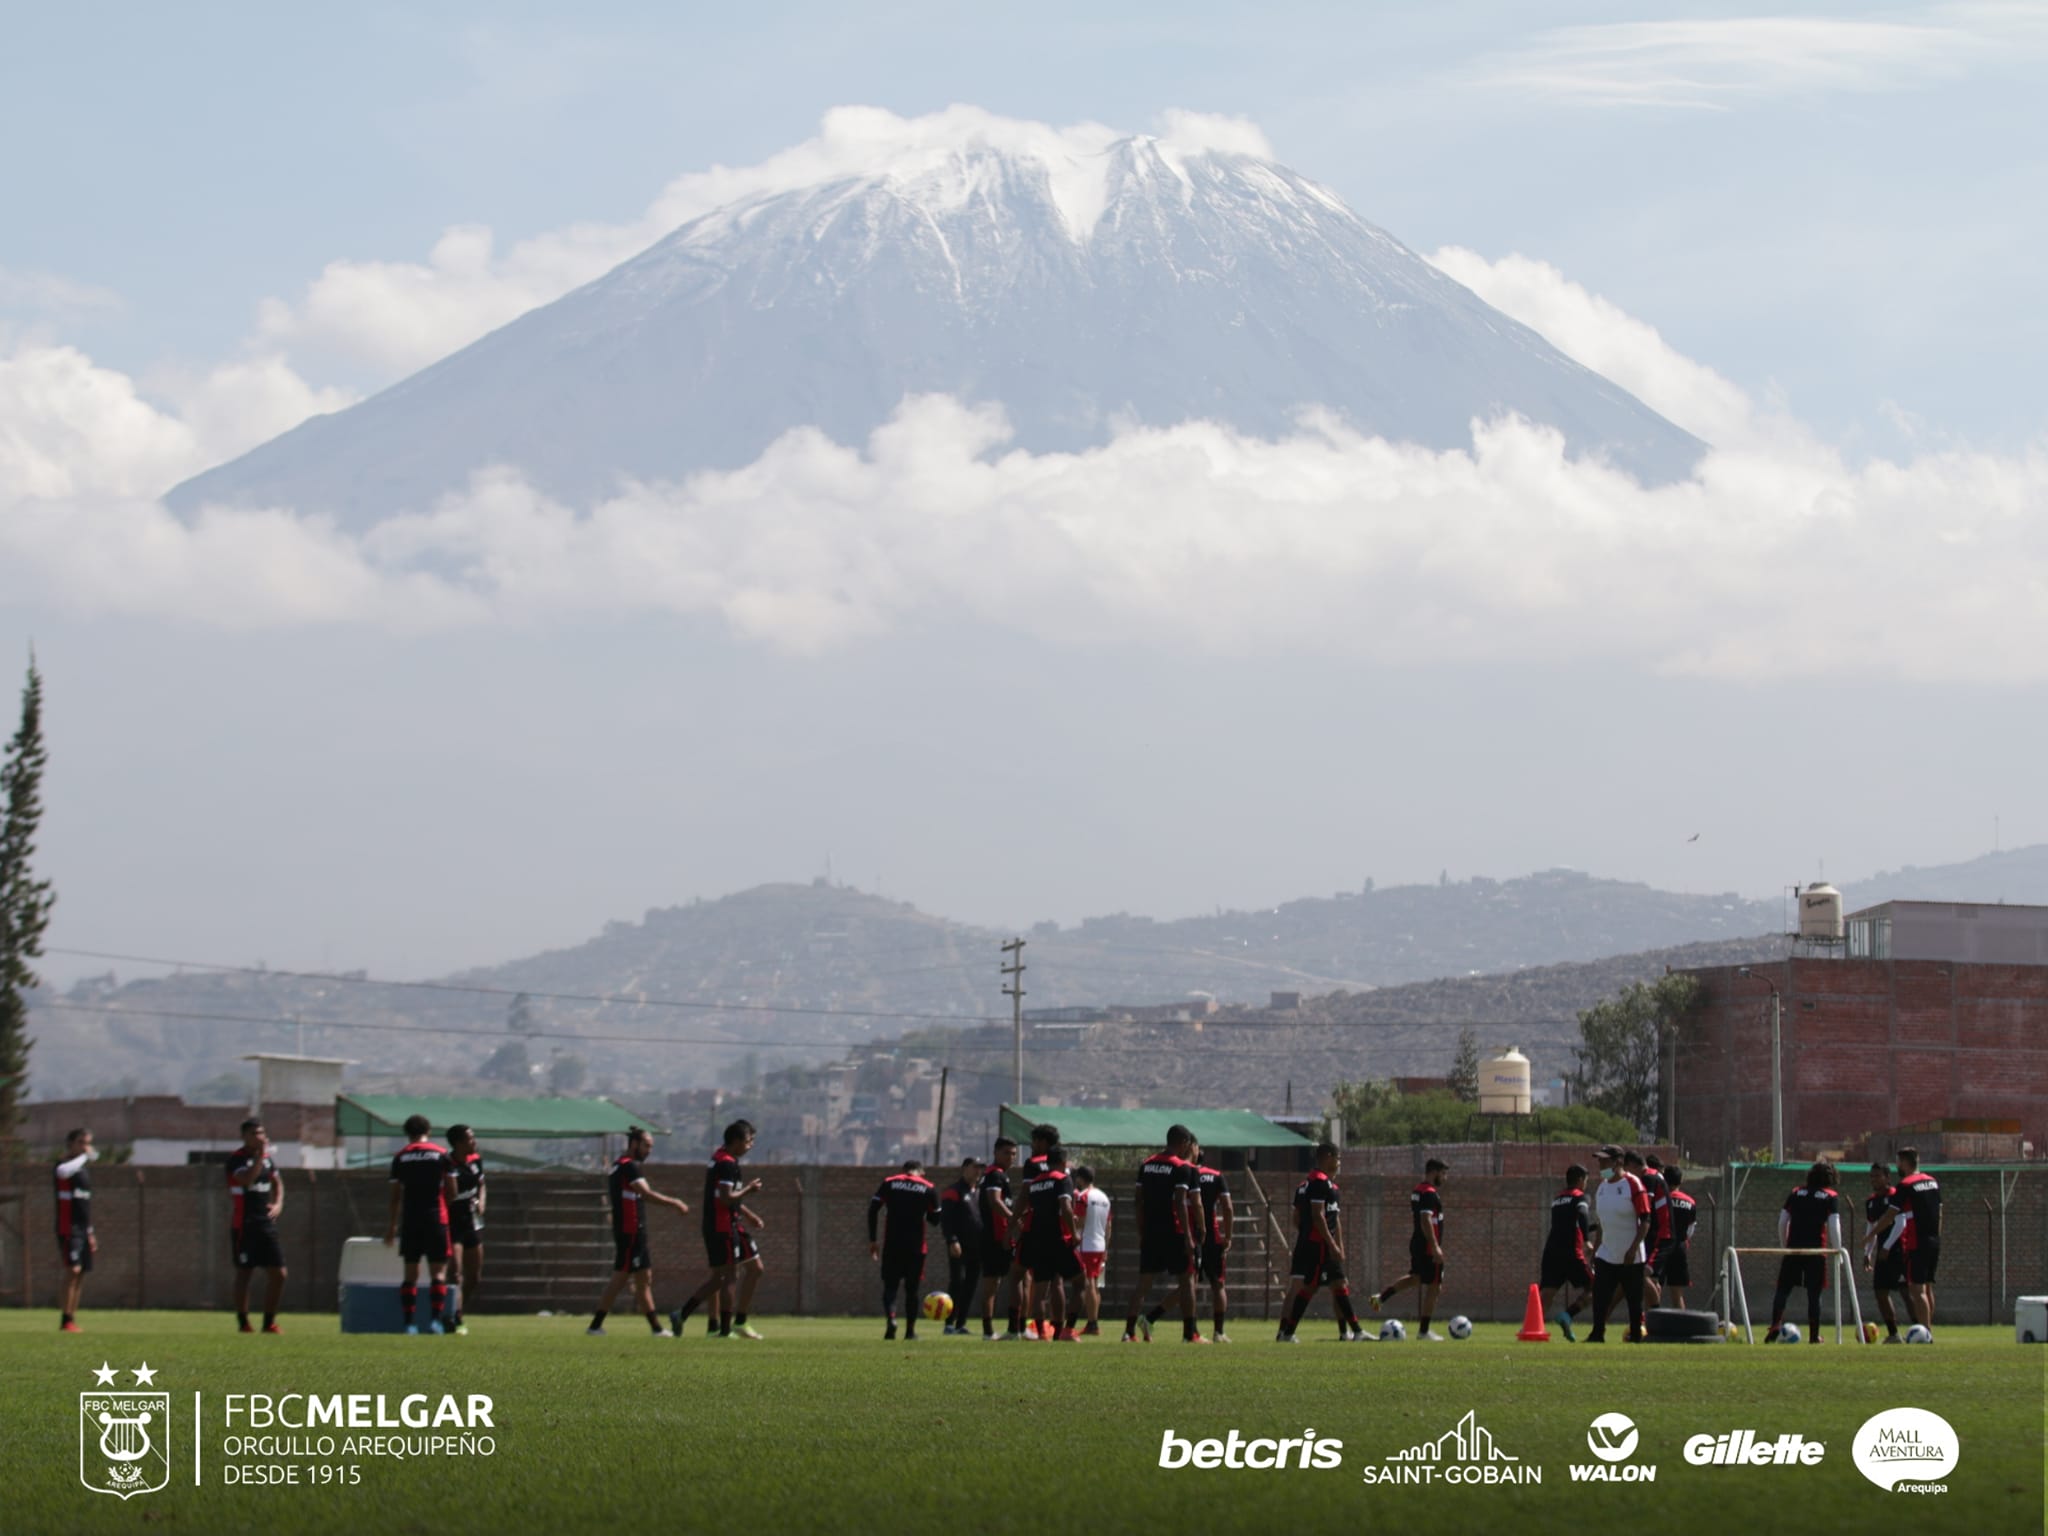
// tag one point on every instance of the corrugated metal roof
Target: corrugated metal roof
(1147, 1127)
(386, 1114)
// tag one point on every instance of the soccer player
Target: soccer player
(422, 1185)
(1565, 1267)
(255, 1196)
(1811, 1218)
(912, 1201)
(997, 1219)
(466, 1218)
(1916, 1210)
(1319, 1250)
(628, 1189)
(1219, 1217)
(1425, 1248)
(1049, 1246)
(1169, 1217)
(1650, 1170)
(1676, 1277)
(76, 1243)
(1092, 1213)
(960, 1224)
(1882, 1260)
(1022, 1321)
(1621, 1210)
(729, 1228)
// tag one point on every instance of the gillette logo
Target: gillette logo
(1742, 1448)
(1238, 1453)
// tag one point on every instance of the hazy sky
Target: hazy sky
(1833, 224)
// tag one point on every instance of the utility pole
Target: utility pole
(1777, 1077)
(1015, 993)
(939, 1130)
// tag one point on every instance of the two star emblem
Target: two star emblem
(145, 1377)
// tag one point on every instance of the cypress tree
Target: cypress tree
(25, 901)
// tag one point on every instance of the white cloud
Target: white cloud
(45, 293)
(1717, 64)
(398, 316)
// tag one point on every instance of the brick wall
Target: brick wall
(164, 1243)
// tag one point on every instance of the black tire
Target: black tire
(1673, 1325)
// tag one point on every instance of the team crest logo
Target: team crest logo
(124, 1438)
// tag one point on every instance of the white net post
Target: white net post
(1736, 1297)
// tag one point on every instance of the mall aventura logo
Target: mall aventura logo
(124, 1437)
(1466, 1453)
(1907, 1450)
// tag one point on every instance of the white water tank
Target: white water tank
(1820, 912)
(1504, 1084)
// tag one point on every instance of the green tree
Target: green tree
(519, 1017)
(1409, 1119)
(25, 901)
(1464, 1077)
(508, 1064)
(567, 1072)
(1626, 1050)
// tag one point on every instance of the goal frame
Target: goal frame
(1735, 1295)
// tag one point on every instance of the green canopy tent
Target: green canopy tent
(379, 1116)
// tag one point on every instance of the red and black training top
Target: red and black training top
(1918, 1201)
(1660, 1205)
(1162, 1178)
(74, 1196)
(421, 1171)
(1318, 1189)
(627, 1218)
(911, 1200)
(1428, 1208)
(1810, 1209)
(251, 1202)
(1030, 1170)
(994, 1181)
(1683, 1214)
(1571, 1220)
(723, 1173)
(960, 1213)
(1211, 1185)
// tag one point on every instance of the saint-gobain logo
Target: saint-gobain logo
(1612, 1437)
(1904, 1445)
(124, 1442)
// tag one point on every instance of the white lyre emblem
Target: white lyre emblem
(124, 1441)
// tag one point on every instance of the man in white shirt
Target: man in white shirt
(1091, 1212)
(76, 1243)
(1621, 1208)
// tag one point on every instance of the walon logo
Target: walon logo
(124, 1438)
(1612, 1437)
(1743, 1448)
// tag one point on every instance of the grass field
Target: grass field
(823, 1427)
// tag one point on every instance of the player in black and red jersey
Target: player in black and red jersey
(422, 1185)
(960, 1225)
(1169, 1227)
(1566, 1264)
(628, 1192)
(1319, 1250)
(466, 1219)
(76, 1244)
(912, 1203)
(1650, 1170)
(1811, 1218)
(1049, 1245)
(1916, 1210)
(1676, 1276)
(729, 1228)
(255, 1196)
(998, 1217)
(1219, 1217)
(1425, 1248)
(1882, 1260)
(1023, 1323)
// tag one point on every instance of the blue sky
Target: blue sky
(1862, 232)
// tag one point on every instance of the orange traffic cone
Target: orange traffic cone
(1533, 1331)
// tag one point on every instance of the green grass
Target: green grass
(823, 1427)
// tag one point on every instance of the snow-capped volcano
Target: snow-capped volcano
(1080, 279)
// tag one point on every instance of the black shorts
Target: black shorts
(903, 1268)
(1798, 1270)
(1672, 1265)
(1164, 1253)
(1888, 1273)
(257, 1248)
(995, 1257)
(465, 1234)
(1424, 1268)
(631, 1252)
(1565, 1269)
(1215, 1263)
(734, 1247)
(1921, 1263)
(428, 1243)
(75, 1252)
(1053, 1258)
(1314, 1264)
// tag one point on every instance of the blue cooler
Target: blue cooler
(370, 1274)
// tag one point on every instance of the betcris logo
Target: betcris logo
(1746, 1448)
(1236, 1454)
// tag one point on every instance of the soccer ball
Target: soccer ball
(1461, 1327)
(1789, 1334)
(1730, 1332)
(1918, 1334)
(938, 1306)
(1870, 1333)
(1391, 1331)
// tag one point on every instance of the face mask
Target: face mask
(1610, 1174)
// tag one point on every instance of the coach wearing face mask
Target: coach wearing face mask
(1622, 1208)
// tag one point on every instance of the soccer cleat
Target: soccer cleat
(1066, 1336)
(1195, 1338)
(1429, 1336)
(1284, 1337)
(435, 1326)
(414, 1328)
(461, 1328)
(1895, 1339)
(659, 1333)
(745, 1331)
(246, 1327)
(889, 1332)
(273, 1328)
(69, 1328)
(1091, 1330)
(1008, 1336)
(594, 1331)
(1219, 1338)
(1145, 1326)
(675, 1322)
(1564, 1321)
(1374, 1298)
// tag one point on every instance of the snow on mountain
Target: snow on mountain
(1080, 279)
